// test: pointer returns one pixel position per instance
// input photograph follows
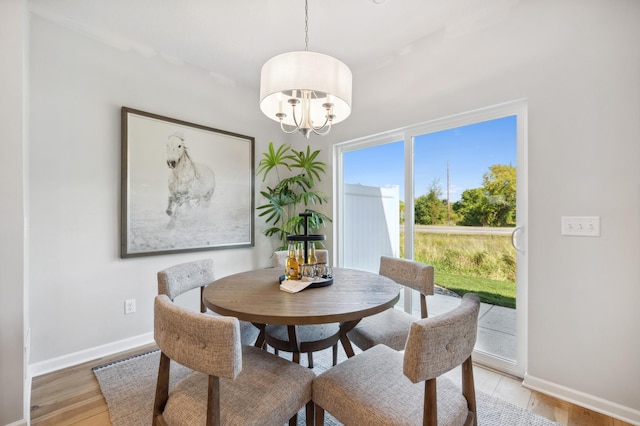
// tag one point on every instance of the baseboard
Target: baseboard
(608, 408)
(27, 398)
(44, 367)
(22, 422)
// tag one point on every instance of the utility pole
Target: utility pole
(448, 200)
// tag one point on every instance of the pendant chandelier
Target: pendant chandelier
(305, 91)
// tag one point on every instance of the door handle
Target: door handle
(513, 238)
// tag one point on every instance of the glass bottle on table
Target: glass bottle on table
(312, 254)
(300, 255)
(292, 269)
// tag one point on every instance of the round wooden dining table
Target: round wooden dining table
(255, 296)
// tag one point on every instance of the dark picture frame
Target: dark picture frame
(184, 186)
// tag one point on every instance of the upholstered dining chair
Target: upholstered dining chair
(381, 386)
(181, 278)
(308, 338)
(232, 384)
(391, 327)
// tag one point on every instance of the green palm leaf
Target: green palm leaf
(293, 194)
(272, 159)
(307, 162)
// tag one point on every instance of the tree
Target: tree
(430, 209)
(472, 207)
(492, 205)
(500, 187)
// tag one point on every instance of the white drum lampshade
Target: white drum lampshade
(306, 91)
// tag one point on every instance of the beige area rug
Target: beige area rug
(129, 385)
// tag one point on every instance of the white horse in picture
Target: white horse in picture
(190, 183)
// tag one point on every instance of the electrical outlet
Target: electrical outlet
(129, 306)
(582, 226)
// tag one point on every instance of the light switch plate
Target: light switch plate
(582, 226)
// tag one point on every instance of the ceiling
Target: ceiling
(231, 39)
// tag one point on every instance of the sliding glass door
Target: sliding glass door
(451, 193)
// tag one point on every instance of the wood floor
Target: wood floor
(72, 397)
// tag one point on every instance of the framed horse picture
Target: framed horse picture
(184, 186)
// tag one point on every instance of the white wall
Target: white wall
(578, 63)
(13, 64)
(79, 283)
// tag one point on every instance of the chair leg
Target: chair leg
(469, 389)
(293, 421)
(162, 387)
(319, 415)
(310, 359)
(335, 354)
(309, 413)
(213, 402)
(430, 409)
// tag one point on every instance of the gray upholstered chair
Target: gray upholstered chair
(179, 279)
(391, 327)
(382, 386)
(308, 338)
(233, 384)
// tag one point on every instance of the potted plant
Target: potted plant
(294, 193)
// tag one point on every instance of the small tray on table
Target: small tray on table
(316, 284)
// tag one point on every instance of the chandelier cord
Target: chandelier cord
(306, 25)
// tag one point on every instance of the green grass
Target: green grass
(500, 293)
(482, 264)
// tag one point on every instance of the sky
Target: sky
(469, 150)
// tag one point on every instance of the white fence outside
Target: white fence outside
(371, 225)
